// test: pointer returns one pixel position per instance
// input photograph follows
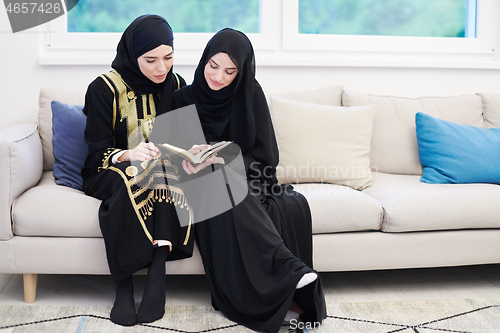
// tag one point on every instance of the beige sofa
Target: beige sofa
(395, 222)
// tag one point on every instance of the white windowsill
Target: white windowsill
(289, 59)
(278, 46)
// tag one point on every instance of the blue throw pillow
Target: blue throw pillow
(69, 148)
(451, 153)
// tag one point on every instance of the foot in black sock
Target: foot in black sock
(153, 302)
(123, 311)
(311, 300)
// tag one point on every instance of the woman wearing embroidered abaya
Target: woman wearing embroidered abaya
(254, 278)
(138, 220)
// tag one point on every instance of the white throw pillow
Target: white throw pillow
(394, 146)
(491, 109)
(323, 144)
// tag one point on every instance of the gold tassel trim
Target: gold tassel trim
(169, 194)
(141, 220)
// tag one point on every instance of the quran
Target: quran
(200, 156)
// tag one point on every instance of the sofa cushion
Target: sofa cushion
(20, 168)
(70, 149)
(491, 109)
(336, 208)
(451, 153)
(58, 211)
(394, 143)
(331, 95)
(410, 205)
(321, 143)
(47, 95)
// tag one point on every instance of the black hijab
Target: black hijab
(238, 112)
(144, 34)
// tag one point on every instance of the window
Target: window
(389, 33)
(189, 16)
(70, 39)
(399, 51)
(424, 18)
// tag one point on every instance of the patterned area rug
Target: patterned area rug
(458, 316)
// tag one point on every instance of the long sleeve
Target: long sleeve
(261, 160)
(99, 132)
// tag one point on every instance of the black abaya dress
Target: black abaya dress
(251, 271)
(140, 201)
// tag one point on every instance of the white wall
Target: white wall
(22, 77)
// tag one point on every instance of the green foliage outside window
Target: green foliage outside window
(425, 18)
(420, 18)
(183, 15)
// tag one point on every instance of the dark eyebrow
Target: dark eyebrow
(157, 57)
(219, 66)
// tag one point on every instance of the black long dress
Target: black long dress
(137, 198)
(140, 201)
(254, 254)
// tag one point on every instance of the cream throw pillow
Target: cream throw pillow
(323, 144)
(491, 109)
(394, 147)
(331, 95)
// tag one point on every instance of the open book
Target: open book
(202, 155)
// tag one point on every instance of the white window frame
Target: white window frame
(280, 44)
(60, 47)
(390, 51)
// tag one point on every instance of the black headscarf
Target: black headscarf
(144, 34)
(238, 112)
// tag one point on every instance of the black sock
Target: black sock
(311, 300)
(123, 311)
(153, 302)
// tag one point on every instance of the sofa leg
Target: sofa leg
(29, 287)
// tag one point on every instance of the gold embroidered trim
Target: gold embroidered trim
(178, 81)
(107, 155)
(144, 164)
(160, 192)
(138, 131)
(155, 162)
(188, 232)
(167, 193)
(131, 171)
(127, 105)
(141, 220)
(143, 188)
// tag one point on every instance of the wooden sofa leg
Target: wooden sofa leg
(29, 287)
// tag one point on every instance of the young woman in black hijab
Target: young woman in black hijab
(137, 217)
(254, 254)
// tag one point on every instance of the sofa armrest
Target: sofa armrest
(20, 169)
